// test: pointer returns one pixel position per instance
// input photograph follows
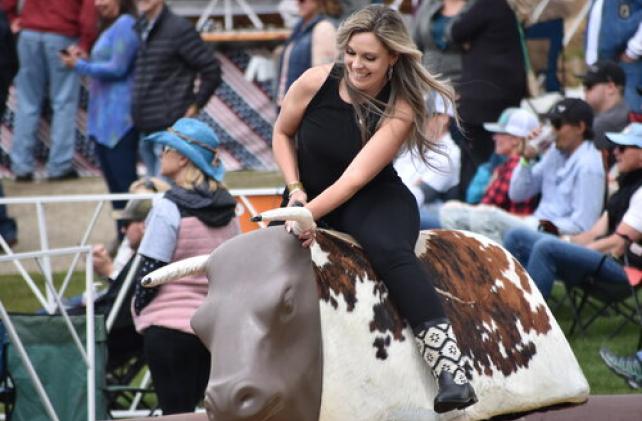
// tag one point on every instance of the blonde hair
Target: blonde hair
(191, 176)
(410, 80)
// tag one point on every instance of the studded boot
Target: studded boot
(438, 346)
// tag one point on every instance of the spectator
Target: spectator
(102, 255)
(47, 27)
(611, 35)
(191, 219)
(110, 71)
(441, 56)
(511, 131)
(604, 86)
(627, 367)
(311, 43)
(109, 269)
(569, 178)
(171, 55)
(8, 69)
(122, 339)
(484, 173)
(493, 75)
(597, 251)
(437, 182)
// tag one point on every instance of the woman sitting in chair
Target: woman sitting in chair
(600, 251)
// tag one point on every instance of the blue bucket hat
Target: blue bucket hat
(196, 141)
(630, 136)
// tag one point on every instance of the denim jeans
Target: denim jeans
(118, 165)
(548, 258)
(487, 220)
(150, 154)
(43, 75)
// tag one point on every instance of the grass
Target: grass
(17, 297)
(586, 347)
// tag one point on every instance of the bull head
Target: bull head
(261, 323)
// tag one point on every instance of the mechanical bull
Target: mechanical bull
(298, 334)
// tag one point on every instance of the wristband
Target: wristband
(294, 186)
(525, 162)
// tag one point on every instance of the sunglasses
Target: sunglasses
(167, 149)
(622, 148)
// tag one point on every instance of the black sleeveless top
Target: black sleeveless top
(328, 138)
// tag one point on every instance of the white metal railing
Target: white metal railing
(51, 300)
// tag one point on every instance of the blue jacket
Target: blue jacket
(111, 73)
(620, 20)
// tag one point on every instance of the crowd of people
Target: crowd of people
(420, 125)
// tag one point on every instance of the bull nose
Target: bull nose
(248, 400)
(241, 401)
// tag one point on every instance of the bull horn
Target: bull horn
(293, 213)
(186, 267)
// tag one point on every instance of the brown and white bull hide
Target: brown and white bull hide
(371, 369)
(520, 357)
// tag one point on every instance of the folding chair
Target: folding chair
(7, 391)
(57, 360)
(605, 298)
(125, 347)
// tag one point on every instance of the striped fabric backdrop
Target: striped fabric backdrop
(241, 113)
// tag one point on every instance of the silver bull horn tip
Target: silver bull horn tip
(186, 267)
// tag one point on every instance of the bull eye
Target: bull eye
(287, 304)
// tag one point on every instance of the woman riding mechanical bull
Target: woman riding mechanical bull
(350, 120)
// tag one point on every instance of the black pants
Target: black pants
(384, 219)
(180, 368)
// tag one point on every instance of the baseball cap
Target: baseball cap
(571, 110)
(136, 210)
(514, 121)
(603, 72)
(630, 136)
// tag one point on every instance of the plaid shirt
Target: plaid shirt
(497, 191)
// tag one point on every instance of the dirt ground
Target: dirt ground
(67, 222)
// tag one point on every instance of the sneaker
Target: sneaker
(628, 367)
(24, 178)
(71, 174)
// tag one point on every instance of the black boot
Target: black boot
(438, 346)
